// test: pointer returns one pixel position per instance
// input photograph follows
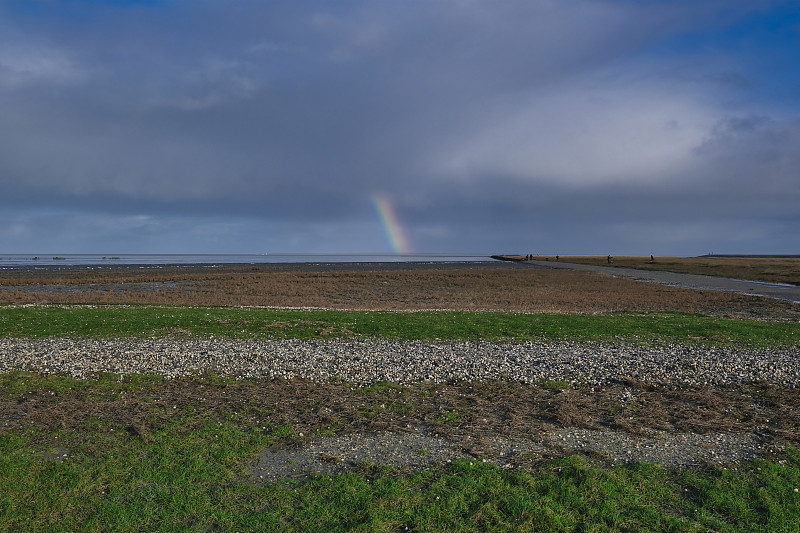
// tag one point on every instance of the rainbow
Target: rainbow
(391, 224)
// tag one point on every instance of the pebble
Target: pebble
(368, 361)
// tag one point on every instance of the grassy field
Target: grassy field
(149, 321)
(774, 269)
(188, 478)
(187, 473)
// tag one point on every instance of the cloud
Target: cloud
(284, 118)
(586, 134)
(31, 64)
(751, 164)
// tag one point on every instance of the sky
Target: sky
(623, 127)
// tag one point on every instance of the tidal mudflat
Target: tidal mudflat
(492, 286)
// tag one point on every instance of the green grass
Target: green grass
(148, 321)
(191, 476)
(17, 382)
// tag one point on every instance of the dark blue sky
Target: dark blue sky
(547, 126)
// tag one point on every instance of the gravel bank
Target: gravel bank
(366, 362)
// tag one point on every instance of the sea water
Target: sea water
(111, 260)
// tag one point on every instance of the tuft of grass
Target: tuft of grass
(449, 417)
(237, 323)
(556, 384)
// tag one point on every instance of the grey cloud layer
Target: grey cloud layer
(480, 120)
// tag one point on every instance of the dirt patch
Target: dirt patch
(330, 455)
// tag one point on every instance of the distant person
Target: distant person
(609, 259)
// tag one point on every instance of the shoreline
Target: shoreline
(95, 261)
(311, 266)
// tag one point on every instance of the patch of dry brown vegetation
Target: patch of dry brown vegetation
(502, 288)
